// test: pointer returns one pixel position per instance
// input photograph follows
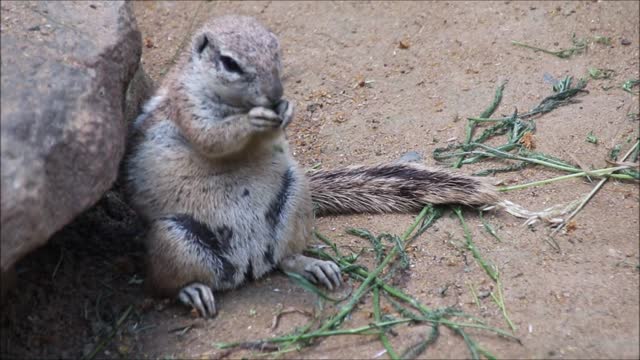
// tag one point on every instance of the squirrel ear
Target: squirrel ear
(200, 43)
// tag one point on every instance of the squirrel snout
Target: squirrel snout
(270, 96)
(274, 92)
(272, 88)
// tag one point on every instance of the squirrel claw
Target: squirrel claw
(200, 297)
(324, 272)
(285, 110)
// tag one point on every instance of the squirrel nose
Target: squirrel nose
(274, 94)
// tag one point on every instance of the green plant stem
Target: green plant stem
(598, 172)
(360, 330)
(563, 54)
(355, 331)
(361, 274)
(346, 309)
(377, 316)
(416, 350)
(535, 161)
(471, 345)
(488, 227)
(425, 311)
(476, 326)
(591, 194)
(484, 119)
(371, 280)
(286, 347)
(440, 320)
(271, 355)
(486, 354)
(473, 293)
(499, 300)
(532, 47)
(325, 240)
(479, 155)
(471, 246)
(472, 124)
(541, 162)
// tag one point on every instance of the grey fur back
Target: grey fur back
(388, 188)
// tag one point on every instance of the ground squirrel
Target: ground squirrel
(210, 170)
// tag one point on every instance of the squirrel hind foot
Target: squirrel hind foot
(199, 297)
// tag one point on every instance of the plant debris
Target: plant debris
(604, 40)
(597, 74)
(630, 84)
(515, 127)
(148, 42)
(527, 141)
(289, 310)
(579, 46)
(404, 44)
(107, 339)
(409, 310)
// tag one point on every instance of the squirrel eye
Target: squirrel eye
(230, 64)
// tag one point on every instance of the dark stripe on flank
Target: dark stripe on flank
(216, 242)
(276, 208)
(268, 255)
(248, 273)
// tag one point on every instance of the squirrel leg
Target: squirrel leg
(188, 259)
(317, 271)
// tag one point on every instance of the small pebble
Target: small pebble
(410, 156)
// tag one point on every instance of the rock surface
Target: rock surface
(66, 67)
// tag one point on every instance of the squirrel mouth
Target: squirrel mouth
(264, 102)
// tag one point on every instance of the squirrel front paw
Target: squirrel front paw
(264, 119)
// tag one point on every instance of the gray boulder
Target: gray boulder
(66, 67)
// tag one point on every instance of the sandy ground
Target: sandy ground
(581, 302)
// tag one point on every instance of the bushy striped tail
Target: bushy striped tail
(394, 188)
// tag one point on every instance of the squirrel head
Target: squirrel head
(236, 60)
